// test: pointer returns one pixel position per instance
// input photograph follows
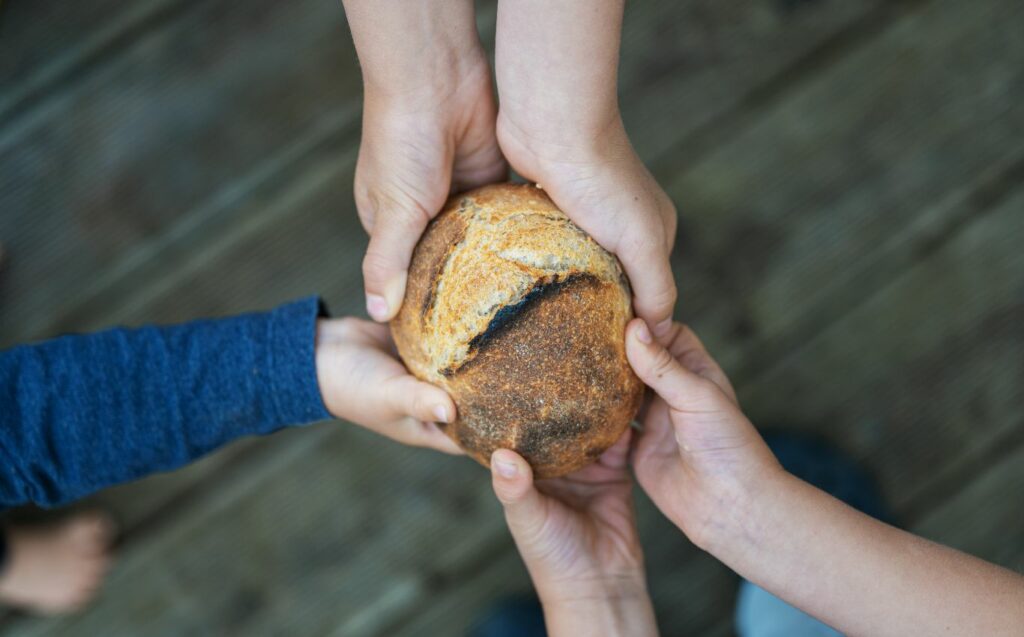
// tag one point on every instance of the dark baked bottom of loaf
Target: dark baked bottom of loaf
(556, 391)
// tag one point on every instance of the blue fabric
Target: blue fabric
(80, 413)
(758, 612)
(761, 614)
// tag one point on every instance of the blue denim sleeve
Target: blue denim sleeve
(80, 413)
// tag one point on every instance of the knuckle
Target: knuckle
(664, 297)
(415, 214)
(416, 404)
(377, 265)
(662, 364)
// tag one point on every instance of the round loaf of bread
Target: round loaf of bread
(520, 316)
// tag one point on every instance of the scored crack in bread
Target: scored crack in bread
(520, 316)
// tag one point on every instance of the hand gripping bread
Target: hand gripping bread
(520, 317)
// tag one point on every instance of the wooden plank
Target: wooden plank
(976, 520)
(900, 349)
(456, 608)
(838, 186)
(289, 246)
(347, 524)
(925, 378)
(130, 186)
(107, 167)
(687, 64)
(46, 42)
(985, 518)
(138, 279)
(168, 303)
(690, 589)
(676, 571)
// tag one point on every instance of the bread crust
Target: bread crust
(520, 317)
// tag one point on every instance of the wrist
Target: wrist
(325, 353)
(557, 68)
(557, 134)
(414, 47)
(613, 608)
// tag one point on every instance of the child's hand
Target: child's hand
(698, 454)
(708, 470)
(578, 538)
(428, 128)
(415, 151)
(362, 381)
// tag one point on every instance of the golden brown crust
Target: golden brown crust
(428, 259)
(520, 316)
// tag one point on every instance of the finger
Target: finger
(512, 480)
(377, 335)
(658, 435)
(386, 263)
(687, 348)
(361, 331)
(679, 387)
(617, 456)
(428, 434)
(421, 401)
(654, 288)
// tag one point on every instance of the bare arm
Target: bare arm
(557, 62)
(559, 125)
(706, 467)
(860, 575)
(407, 46)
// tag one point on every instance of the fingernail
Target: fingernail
(642, 333)
(506, 469)
(377, 307)
(441, 413)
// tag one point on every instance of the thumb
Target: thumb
(682, 389)
(512, 480)
(386, 263)
(422, 401)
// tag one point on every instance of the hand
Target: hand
(363, 382)
(698, 455)
(428, 129)
(559, 125)
(578, 538)
(703, 464)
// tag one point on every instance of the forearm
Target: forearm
(558, 62)
(859, 575)
(84, 412)
(407, 48)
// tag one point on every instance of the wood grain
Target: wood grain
(849, 248)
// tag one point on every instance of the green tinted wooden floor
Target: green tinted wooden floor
(850, 178)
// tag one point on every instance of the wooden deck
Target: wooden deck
(850, 178)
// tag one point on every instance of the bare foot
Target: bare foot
(56, 568)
